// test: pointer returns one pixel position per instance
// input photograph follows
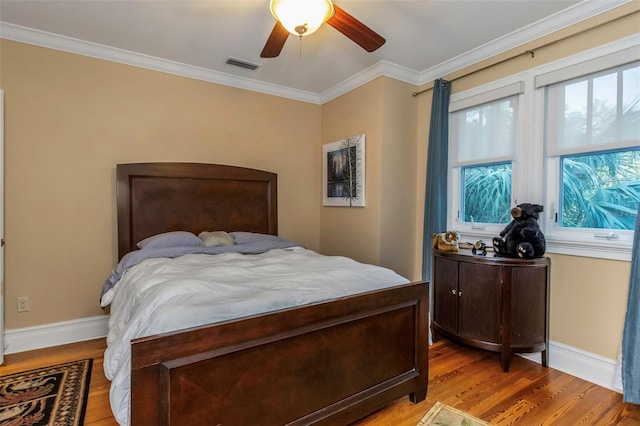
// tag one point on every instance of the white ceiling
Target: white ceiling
(425, 39)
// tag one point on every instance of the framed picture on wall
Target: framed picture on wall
(343, 172)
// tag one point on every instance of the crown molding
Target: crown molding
(380, 69)
(113, 54)
(558, 21)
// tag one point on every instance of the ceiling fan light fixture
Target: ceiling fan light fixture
(302, 17)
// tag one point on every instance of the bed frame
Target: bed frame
(327, 363)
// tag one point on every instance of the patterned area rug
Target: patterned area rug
(443, 415)
(47, 396)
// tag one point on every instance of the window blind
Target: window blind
(489, 96)
(485, 133)
(597, 112)
(591, 66)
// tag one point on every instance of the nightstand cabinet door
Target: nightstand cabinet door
(479, 302)
(528, 306)
(445, 294)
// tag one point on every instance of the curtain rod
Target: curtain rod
(531, 52)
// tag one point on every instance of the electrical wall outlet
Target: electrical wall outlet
(23, 304)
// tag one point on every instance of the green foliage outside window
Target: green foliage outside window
(601, 190)
(487, 193)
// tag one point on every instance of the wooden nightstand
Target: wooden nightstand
(495, 303)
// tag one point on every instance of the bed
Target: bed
(328, 362)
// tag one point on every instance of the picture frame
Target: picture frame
(343, 172)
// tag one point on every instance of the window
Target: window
(565, 135)
(592, 137)
(483, 132)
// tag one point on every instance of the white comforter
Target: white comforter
(162, 294)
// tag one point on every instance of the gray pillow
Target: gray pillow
(242, 237)
(170, 239)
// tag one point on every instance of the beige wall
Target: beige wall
(383, 231)
(589, 302)
(588, 296)
(398, 182)
(355, 231)
(70, 119)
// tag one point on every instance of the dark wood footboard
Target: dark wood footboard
(327, 363)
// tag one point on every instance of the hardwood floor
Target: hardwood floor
(466, 378)
(472, 380)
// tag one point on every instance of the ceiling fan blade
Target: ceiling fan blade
(358, 32)
(275, 42)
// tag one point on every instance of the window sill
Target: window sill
(600, 250)
(596, 249)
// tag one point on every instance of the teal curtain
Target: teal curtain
(435, 200)
(631, 334)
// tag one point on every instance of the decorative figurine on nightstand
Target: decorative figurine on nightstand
(522, 237)
(446, 241)
(479, 248)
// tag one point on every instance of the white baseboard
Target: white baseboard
(584, 365)
(59, 333)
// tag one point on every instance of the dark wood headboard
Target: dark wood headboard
(160, 197)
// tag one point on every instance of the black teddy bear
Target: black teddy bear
(522, 237)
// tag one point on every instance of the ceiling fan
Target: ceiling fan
(297, 17)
